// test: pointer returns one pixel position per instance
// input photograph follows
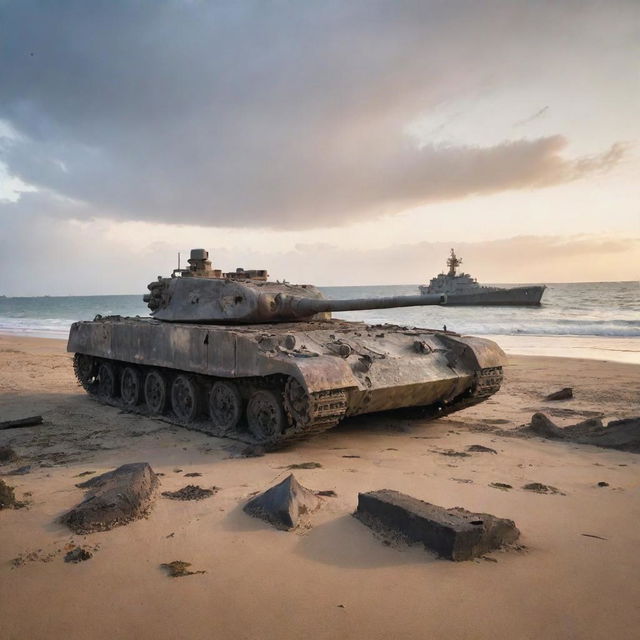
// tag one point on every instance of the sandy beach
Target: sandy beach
(577, 577)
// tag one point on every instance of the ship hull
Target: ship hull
(516, 296)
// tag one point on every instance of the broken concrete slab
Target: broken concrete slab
(563, 394)
(114, 498)
(543, 426)
(618, 434)
(284, 504)
(454, 533)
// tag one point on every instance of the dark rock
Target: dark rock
(455, 533)
(538, 487)
(478, 448)
(563, 394)
(542, 426)
(328, 493)
(284, 504)
(7, 454)
(178, 569)
(193, 474)
(501, 485)
(78, 555)
(114, 498)
(190, 492)
(603, 484)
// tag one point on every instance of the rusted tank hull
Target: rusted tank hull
(323, 371)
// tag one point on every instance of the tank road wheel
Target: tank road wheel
(184, 398)
(155, 392)
(85, 369)
(296, 402)
(266, 416)
(225, 405)
(107, 380)
(130, 386)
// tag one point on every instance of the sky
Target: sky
(328, 142)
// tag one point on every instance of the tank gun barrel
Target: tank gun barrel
(296, 307)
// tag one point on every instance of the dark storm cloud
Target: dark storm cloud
(274, 114)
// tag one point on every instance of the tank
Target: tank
(236, 355)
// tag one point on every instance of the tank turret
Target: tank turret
(196, 295)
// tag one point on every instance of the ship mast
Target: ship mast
(453, 262)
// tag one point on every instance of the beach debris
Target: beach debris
(33, 556)
(462, 480)
(500, 485)
(7, 454)
(538, 487)
(603, 484)
(21, 471)
(541, 425)
(85, 473)
(284, 504)
(179, 569)
(114, 498)
(328, 493)
(456, 534)
(351, 456)
(564, 394)
(303, 465)
(190, 492)
(593, 535)
(78, 554)
(193, 474)
(451, 453)
(478, 448)
(31, 421)
(618, 434)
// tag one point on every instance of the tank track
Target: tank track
(488, 382)
(326, 410)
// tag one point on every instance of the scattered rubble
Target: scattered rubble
(451, 453)
(563, 394)
(284, 504)
(455, 533)
(303, 465)
(114, 498)
(178, 569)
(478, 448)
(538, 487)
(191, 492)
(79, 554)
(501, 485)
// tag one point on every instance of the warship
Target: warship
(463, 289)
(236, 355)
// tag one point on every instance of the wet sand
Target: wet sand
(336, 579)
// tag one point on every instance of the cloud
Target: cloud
(281, 115)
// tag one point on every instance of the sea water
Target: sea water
(594, 320)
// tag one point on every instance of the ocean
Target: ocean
(599, 320)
